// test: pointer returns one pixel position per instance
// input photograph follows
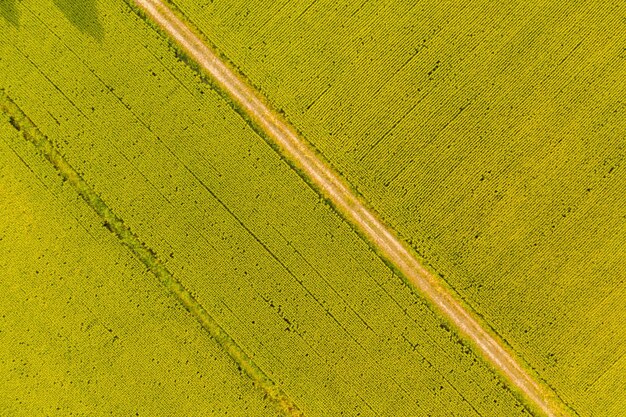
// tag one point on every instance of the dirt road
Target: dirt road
(330, 184)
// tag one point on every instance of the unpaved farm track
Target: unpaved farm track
(346, 201)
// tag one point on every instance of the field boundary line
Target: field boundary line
(347, 203)
(20, 121)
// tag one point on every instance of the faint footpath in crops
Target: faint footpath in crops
(83, 14)
(9, 12)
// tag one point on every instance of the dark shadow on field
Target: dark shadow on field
(9, 12)
(84, 15)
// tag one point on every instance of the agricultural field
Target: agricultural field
(177, 187)
(490, 137)
(85, 329)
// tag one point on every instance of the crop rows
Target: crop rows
(85, 328)
(278, 269)
(490, 137)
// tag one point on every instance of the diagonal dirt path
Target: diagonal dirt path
(346, 201)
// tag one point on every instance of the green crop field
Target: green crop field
(490, 136)
(84, 328)
(284, 276)
(159, 257)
